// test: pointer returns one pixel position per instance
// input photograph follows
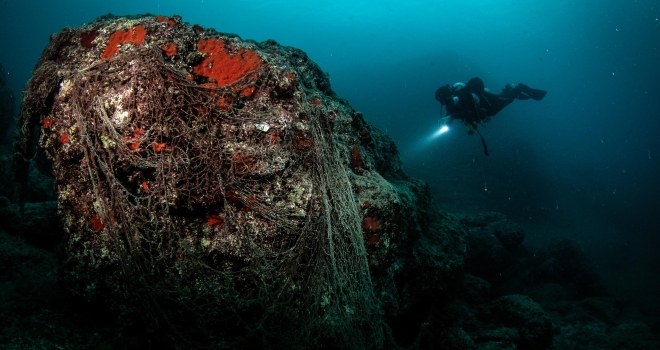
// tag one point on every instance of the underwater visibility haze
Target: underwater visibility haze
(581, 164)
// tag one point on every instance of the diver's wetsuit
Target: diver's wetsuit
(473, 105)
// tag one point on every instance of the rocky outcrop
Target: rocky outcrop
(206, 182)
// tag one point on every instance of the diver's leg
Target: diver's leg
(495, 103)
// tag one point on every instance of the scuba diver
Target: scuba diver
(473, 104)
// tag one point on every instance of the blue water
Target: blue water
(582, 163)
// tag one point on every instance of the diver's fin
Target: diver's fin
(527, 92)
(537, 94)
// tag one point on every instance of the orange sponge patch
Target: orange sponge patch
(369, 224)
(169, 50)
(132, 35)
(164, 19)
(48, 122)
(356, 157)
(96, 223)
(249, 92)
(222, 67)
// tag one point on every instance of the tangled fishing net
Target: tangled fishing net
(210, 185)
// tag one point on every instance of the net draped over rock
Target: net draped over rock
(217, 186)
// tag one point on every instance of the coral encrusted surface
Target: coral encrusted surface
(218, 190)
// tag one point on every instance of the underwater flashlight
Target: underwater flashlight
(441, 131)
(441, 128)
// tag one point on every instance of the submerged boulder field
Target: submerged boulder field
(217, 190)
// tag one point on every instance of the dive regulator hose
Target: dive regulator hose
(483, 142)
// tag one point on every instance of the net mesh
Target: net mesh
(205, 213)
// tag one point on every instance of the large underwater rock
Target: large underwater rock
(219, 189)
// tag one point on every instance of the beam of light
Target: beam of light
(428, 140)
(443, 129)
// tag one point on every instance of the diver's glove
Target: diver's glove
(446, 120)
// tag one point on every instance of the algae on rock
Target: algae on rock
(206, 182)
